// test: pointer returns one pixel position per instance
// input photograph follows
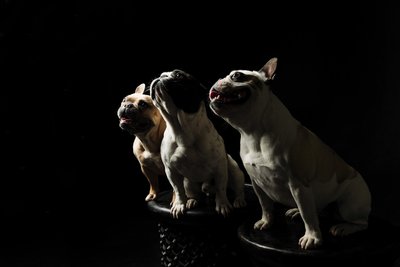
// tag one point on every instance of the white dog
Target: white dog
(192, 151)
(286, 162)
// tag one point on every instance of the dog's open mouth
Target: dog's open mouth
(235, 97)
(125, 120)
(135, 126)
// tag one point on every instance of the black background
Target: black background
(67, 65)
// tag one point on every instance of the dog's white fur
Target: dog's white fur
(287, 163)
(194, 154)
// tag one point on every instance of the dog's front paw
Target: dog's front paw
(262, 224)
(191, 203)
(292, 213)
(177, 209)
(310, 240)
(239, 202)
(151, 196)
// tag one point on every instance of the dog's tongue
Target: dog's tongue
(213, 93)
(124, 120)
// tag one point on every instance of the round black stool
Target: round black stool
(200, 237)
(278, 246)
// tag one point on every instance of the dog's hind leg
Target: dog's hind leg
(354, 207)
(292, 213)
(236, 182)
(222, 204)
(152, 178)
(193, 192)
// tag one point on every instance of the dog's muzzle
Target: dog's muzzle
(228, 95)
(132, 121)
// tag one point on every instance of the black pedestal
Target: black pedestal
(278, 246)
(201, 237)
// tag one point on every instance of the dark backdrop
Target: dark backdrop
(66, 67)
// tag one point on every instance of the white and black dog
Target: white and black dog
(286, 162)
(192, 150)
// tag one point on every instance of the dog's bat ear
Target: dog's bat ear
(268, 70)
(140, 89)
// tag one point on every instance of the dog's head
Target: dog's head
(177, 90)
(137, 113)
(241, 90)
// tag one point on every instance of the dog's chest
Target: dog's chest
(267, 169)
(197, 161)
(273, 181)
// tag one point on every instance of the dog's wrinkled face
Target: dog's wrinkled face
(178, 88)
(234, 90)
(137, 112)
(241, 89)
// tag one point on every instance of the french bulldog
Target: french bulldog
(192, 150)
(286, 162)
(138, 116)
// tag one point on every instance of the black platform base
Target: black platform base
(278, 246)
(200, 237)
(203, 238)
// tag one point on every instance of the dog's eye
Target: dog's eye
(142, 104)
(177, 74)
(237, 76)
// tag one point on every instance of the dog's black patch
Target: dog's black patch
(185, 90)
